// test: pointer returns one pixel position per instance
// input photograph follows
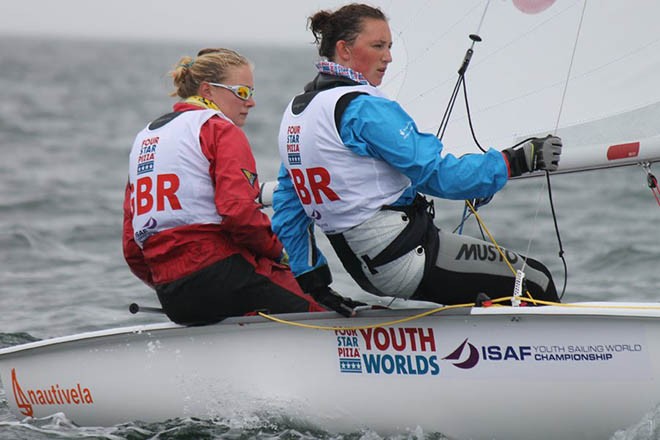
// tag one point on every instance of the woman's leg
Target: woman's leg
(231, 287)
(466, 266)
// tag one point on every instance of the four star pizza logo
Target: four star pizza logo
(401, 351)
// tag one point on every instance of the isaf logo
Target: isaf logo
(414, 351)
(467, 355)
(472, 356)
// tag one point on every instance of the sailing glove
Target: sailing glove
(537, 154)
(330, 299)
(317, 283)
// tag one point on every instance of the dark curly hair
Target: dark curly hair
(343, 24)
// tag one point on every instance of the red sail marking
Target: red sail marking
(623, 151)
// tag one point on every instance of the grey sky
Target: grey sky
(267, 21)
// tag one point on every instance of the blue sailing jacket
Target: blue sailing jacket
(367, 128)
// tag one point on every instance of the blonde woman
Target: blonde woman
(192, 228)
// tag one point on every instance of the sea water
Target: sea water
(68, 115)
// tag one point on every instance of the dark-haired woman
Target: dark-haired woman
(355, 165)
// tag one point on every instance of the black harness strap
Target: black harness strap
(351, 263)
(412, 236)
(420, 232)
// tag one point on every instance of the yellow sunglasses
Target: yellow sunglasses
(241, 92)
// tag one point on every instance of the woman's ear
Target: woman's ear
(342, 50)
(204, 90)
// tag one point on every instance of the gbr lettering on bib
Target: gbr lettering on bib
(311, 183)
(145, 194)
(151, 191)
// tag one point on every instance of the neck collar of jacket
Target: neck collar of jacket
(201, 102)
(324, 81)
(336, 69)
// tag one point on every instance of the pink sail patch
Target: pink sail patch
(533, 6)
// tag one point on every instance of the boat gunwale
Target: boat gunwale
(586, 309)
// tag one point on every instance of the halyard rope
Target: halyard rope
(455, 306)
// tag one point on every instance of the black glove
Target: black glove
(330, 299)
(537, 154)
(317, 283)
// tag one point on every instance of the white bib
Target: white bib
(337, 188)
(169, 176)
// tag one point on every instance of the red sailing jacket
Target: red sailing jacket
(245, 229)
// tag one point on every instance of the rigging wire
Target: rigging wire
(570, 66)
(461, 77)
(461, 84)
(547, 174)
(561, 246)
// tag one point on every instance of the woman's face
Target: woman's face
(370, 52)
(231, 105)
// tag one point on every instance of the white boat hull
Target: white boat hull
(498, 372)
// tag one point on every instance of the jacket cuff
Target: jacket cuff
(516, 161)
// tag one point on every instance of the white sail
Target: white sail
(586, 72)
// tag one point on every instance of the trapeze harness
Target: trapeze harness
(399, 267)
